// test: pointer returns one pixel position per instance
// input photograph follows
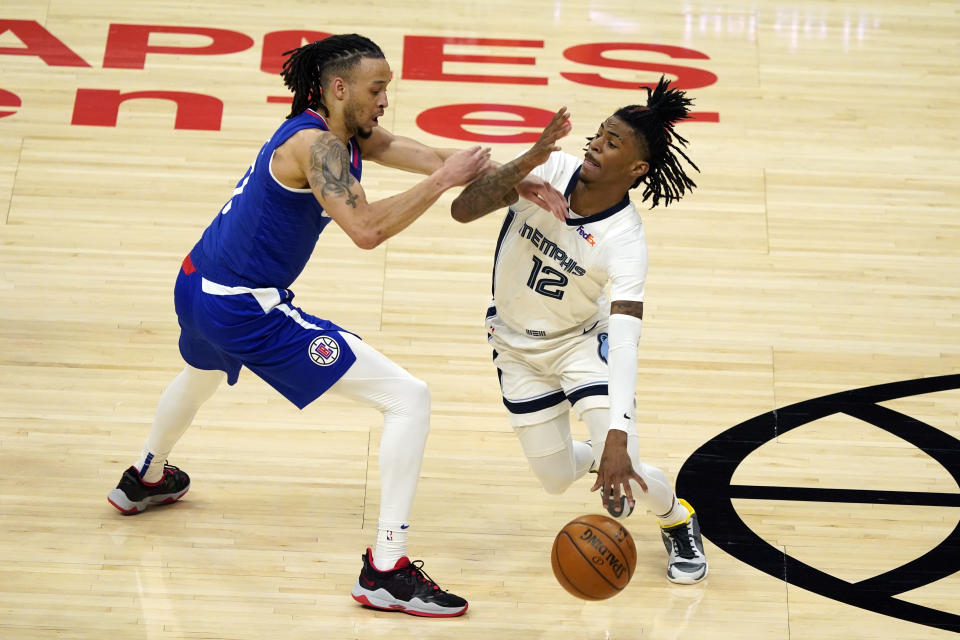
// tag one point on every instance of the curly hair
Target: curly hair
(660, 145)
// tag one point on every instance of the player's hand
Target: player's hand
(465, 166)
(616, 471)
(542, 193)
(547, 143)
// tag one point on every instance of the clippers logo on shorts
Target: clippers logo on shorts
(324, 351)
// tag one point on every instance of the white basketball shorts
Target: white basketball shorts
(542, 378)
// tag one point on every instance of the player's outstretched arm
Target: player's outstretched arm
(400, 152)
(498, 188)
(616, 469)
(327, 168)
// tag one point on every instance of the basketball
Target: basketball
(593, 557)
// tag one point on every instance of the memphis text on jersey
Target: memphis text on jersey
(549, 248)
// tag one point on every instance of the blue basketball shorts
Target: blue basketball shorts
(227, 328)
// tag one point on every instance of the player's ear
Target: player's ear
(639, 168)
(339, 87)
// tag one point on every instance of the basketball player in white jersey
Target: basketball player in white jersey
(234, 303)
(559, 341)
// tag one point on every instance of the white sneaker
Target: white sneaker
(686, 564)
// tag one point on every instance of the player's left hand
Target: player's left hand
(542, 193)
(616, 471)
(546, 144)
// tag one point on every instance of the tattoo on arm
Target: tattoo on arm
(490, 192)
(509, 198)
(330, 169)
(627, 308)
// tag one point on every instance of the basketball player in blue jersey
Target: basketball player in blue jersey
(235, 307)
(560, 341)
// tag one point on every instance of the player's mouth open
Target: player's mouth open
(590, 161)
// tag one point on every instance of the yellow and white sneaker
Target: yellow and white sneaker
(686, 564)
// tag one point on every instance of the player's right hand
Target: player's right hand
(466, 165)
(542, 193)
(547, 143)
(616, 471)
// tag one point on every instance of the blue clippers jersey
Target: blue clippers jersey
(264, 235)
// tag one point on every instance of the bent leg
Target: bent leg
(554, 458)
(376, 381)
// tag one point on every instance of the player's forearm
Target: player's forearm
(491, 191)
(408, 155)
(623, 338)
(390, 216)
(444, 153)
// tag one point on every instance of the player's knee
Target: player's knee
(556, 486)
(414, 397)
(419, 393)
(553, 472)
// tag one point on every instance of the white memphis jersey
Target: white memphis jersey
(550, 276)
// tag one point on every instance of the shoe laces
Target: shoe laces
(415, 569)
(168, 471)
(683, 543)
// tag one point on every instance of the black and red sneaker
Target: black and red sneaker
(133, 495)
(405, 588)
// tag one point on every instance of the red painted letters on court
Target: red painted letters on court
(593, 54)
(423, 58)
(9, 101)
(276, 43)
(129, 44)
(99, 107)
(39, 42)
(448, 122)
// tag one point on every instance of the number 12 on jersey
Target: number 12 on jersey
(542, 284)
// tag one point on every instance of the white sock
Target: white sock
(391, 544)
(677, 514)
(175, 411)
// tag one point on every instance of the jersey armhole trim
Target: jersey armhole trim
(280, 184)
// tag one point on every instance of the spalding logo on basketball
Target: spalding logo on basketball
(593, 557)
(324, 351)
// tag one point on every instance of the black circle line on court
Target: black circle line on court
(705, 480)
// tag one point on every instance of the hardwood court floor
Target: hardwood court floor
(820, 254)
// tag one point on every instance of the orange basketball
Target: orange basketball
(593, 557)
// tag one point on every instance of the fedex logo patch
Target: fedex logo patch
(586, 236)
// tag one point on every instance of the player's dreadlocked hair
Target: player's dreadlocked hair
(314, 65)
(653, 125)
